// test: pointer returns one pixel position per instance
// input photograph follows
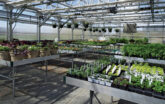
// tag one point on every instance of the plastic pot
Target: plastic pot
(147, 92)
(158, 95)
(131, 88)
(139, 90)
(123, 87)
(102, 82)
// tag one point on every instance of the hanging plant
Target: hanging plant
(103, 29)
(85, 24)
(85, 29)
(61, 25)
(90, 29)
(110, 29)
(75, 25)
(117, 30)
(54, 25)
(69, 25)
(96, 29)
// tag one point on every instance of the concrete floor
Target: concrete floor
(32, 89)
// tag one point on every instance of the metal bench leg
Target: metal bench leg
(13, 81)
(46, 70)
(97, 99)
(91, 97)
(112, 101)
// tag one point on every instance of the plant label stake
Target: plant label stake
(108, 68)
(130, 79)
(114, 68)
(119, 71)
(143, 77)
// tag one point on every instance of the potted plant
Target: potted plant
(69, 25)
(84, 76)
(164, 90)
(103, 29)
(96, 80)
(115, 83)
(4, 53)
(110, 29)
(123, 84)
(147, 87)
(54, 25)
(85, 29)
(33, 51)
(53, 49)
(85, 24)
(102, 79)
(108, 82)
(131, 40)
(117, 30)
(96, 29)
(157, 89)
(90, 29)
(75, 25)
(91, 79)
(19, 53)
(44, 51)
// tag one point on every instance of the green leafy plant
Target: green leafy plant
(4, 48)
(69, 25)
(117, 30)
(103, 29)
(54, 25)
(124, 82)
(90, 29)
(33, 48)
(85, 24)
(76, 25)
(144, 50)
(157, 86)
(22, 47)
(110, 29)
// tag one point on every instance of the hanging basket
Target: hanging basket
(110, 29)
(54, 25)
(76, 25)
(69, 25)
(4, 55)
(33, 54)
(17, 57)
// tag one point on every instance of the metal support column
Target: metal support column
(38, 29)
(83, 36)
(7, 21)
(163, 32)
(72, 33)
(46, 70)
(10, 25)
(58, 28)
(58, 33)
(148, 32)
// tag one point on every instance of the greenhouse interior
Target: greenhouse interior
(82, 52)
